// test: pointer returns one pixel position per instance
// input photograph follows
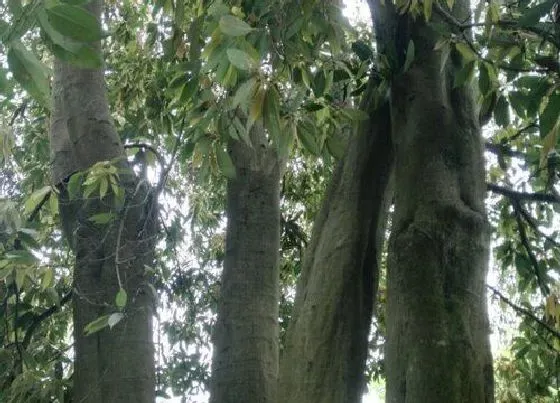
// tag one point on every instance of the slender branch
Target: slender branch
(40, 318)
(20, 111)
(501, 23)
(39, 206)
(167, 169)
(159, 157)
(502, 149)
(525, 312)
(533, 224)
(522, 196)
(525, 242)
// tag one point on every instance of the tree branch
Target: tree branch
(40, 318)
(525, 242)
(502, 149)
(161, 160)
(525, 312)
(522, 196)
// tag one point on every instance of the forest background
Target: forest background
(175, 72)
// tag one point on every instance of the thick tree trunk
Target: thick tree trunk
(326, 344)
(245, 364)
(112, 365)
(437, 323)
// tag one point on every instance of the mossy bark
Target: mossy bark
(437, 323)
(327, 340)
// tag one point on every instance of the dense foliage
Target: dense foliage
(183, 77)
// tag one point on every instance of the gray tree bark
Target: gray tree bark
(245, 361)
(437, 325)
(115, 365)
(327, 339)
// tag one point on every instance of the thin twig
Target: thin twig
(159, 157)
(525, 242)
(40, 318)
(525, 312)
(502, 149)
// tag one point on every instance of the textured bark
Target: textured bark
(245, 362)
(326, 343)
(437, 325)
(115, 365)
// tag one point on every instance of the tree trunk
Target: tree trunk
(327, 339)
(437, 324)
(245, 362)
(112, 365)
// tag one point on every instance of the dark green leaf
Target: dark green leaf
(336, 146)
(241, 59)
(30, 72)
(501, 112)
(225, 163)
(362, 50)
(74, 22)
(120, 299)
(271, 113)
(464, 75)
(549, 116)
(233, 26)
(532, 15)
(306, 135)
(484, 83)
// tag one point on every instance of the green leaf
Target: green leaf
(30, 72)
(36, 197)
(428, 9)
(56, 37)
(362, 50)
(114, 318)
(256, 107)
(484, 83)
(233, 26)
(307, 138)
(532, 15)
(74, 185)
(96, 325)
(242, 131)
(549, 142)
(102, 218)
(103, 187)
(120, 299)
(409, 56)
(354, 114)
(21, 275)
(464, 75)
(240, 59)
(549, 115)
(74, 22)
(47, 278)
(21, 257)
(518, 101)
(271, 113)
(494, 12)
(225, 163)
(336, 146)
(465, 50)
(244, 93)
